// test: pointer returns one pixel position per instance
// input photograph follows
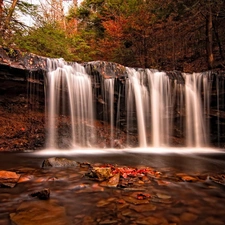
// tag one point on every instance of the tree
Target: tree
(49, 41)
(163, 34)
(1, 8)
(10, 13)
(209, 35)
(10, 23)
(53, 11)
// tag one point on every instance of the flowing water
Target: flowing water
(69, 84)
(195, 120)
(109, 106)
(85, 201)
(151, 101)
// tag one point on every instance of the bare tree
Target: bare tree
(9, 15)
(53, 11)
(209, 35)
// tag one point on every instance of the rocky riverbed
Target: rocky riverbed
(121, 188)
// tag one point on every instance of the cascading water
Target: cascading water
(151, 91)
(150, 102)
(109, 107)
(135, 90)
(161, 104)
(155, 106)
(195, 119)
(69, 93)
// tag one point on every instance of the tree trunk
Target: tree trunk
(75, 3)
(9, 16)
(209, 34)
(1, 8)
(1, 14)
(218, 41)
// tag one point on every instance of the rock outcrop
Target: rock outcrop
(22, 103)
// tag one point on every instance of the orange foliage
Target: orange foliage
(71, 27)
(115, 27)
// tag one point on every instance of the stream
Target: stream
(190, 189)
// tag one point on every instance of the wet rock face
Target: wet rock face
(106, 69)
(16, 65)
(22, 116)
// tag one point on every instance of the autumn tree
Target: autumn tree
(107, 22)
(163, 34)
(167, 34)
(55, 35)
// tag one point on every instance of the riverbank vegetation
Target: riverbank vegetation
(163, 34)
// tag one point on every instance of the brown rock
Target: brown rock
(188, 217)
(136, 201)
(25, 178)
(187, 178)
(108, 221)
(101, 173)
(143, 208)
(8, 178)
(42, 195)
(103, 203)
(173, 219)
(114, 181)
(219, 179)
(163, 196)
(39, 212)
(213, 221)
(151, 220)
(58, 162)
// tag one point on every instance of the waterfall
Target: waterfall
(136, 90)
(195, 119)
(154, 101)
(151, 105)
(70, 96)
(160, 97)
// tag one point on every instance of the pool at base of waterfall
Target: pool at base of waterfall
(153, 188)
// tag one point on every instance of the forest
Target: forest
(164, 34)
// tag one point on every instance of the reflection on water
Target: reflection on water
(87, 202)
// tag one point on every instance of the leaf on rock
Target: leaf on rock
(114, 181)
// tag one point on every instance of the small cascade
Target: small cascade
(195, 119)
(109, 106)
(136, 91)
(151, 91)
(161, 107)
(69, 105)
